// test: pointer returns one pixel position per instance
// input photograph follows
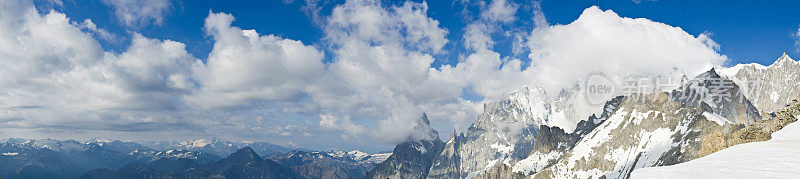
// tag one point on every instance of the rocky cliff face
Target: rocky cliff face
(505, 133)
(552, 143)
(769, 88)
(717, 95)
(659, 129)
(502, 135)
(648, 130)
(412, 158)
(763, 129)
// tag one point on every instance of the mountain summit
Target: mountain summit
(411, 158)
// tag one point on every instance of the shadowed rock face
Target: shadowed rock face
(412, 158)
(718, 95)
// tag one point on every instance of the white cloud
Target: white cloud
(136, 13)
(246, 68)
(500, 11)
(602, 41)
(598, 42)
(796, 37)
(382, 68)
(343, 123)
(478, 34)
(90, 26)
(57, 75)
(485, 70)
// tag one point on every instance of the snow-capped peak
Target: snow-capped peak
(197, 143)
(784, 59)
(357, 155)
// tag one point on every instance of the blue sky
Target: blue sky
(341, 74)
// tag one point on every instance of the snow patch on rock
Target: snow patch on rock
(716, 118)
(506, 149)
(774, 96)
(535, 162)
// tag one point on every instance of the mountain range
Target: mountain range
(524, 134)
(47, 158)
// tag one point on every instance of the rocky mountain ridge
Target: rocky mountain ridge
(411, 158)
(704, 114)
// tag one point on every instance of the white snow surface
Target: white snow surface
(358, 155)
(716, 118)
(506, 149)
(774, 96)
(420, 147)
(199, 143)
(535, 162)
(776, 158)
(378, 158)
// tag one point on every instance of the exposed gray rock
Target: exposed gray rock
(648, 130)
(412, 158)
(718, 95)
(769, 88)
(552, 143)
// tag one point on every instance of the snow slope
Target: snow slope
(776, 158)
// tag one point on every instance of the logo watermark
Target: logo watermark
(716, 89)
(599, 89)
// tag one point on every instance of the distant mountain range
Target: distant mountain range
(46, 158)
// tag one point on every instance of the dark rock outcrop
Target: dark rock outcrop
(412, 158)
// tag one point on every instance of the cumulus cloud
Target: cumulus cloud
(382, 66)
(246, 68)
(602, 41)
(136, 13)
(57, 75)
(563, 56)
